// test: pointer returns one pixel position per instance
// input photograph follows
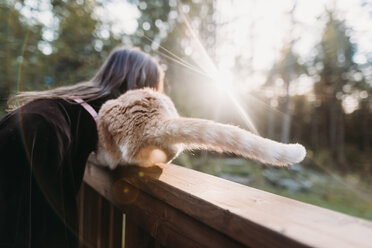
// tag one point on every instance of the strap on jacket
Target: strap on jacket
(88, 108)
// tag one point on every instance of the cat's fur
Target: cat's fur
(143, 127)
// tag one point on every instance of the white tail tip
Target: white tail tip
(296, 153)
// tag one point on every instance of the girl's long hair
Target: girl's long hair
(124, 69)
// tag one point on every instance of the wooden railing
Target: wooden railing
(172, 206)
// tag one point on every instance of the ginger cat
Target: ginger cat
(143, 127)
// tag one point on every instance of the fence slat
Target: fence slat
(136, 237)
(90, 217)
(115, 227)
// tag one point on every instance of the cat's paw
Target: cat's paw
(150, 156)
(92, 159)
(102, 159)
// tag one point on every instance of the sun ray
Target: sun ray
(211, 69)
(170, 53)
(180, 63)
(173, 57)
(209, 66)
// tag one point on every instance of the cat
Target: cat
(142, 127)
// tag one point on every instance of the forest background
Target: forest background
(284, 78)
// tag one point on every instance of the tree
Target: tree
(76, 50)
(19, 54)
(287, 68)
(74, 55)
(335, 67)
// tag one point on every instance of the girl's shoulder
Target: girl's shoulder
(47, 111)
(40, 117)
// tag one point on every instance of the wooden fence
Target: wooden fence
(172, 206)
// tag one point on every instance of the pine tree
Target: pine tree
(334, 64)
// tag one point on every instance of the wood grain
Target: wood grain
(240, 214)
(171, 227)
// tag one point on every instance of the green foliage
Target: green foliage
(77, 49)
(19, 54)
(74, 54)
(336, 69)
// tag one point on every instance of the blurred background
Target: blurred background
(293, 71)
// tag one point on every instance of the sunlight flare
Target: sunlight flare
(222, 79)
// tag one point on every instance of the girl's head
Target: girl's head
(126, 69)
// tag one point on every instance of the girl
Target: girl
(44, 146)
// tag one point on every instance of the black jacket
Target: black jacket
(44, 146)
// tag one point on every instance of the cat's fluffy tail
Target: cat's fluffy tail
(205, 134)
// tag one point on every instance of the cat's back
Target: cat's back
(146, 103)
